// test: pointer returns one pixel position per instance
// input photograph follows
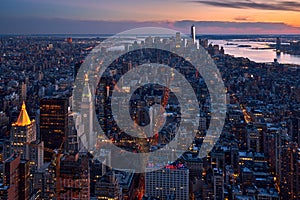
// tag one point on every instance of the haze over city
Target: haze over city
(109, 17)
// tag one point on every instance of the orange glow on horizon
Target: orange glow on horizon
(178, 12)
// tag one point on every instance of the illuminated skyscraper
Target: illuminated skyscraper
(24, 140)
(173, 180)
(23, 132)
(53, 123)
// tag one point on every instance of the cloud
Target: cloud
(224, 27)
(67, 26)
(225, 24)
(241, 18)
(248, 4)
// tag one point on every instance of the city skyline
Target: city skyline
(197, 99)
(103, 17)
(45, 139)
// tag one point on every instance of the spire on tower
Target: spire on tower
(23, 119)
(86, 90)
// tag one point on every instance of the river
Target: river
(255, 52)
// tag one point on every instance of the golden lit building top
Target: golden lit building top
(23, 119)
(86, 77)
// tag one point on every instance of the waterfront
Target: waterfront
(258, 52)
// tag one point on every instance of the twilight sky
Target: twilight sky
(113, 16)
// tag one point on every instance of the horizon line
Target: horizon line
(111, 34)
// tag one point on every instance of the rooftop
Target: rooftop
(23, 119)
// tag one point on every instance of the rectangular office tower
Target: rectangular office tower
(171, 182)
(53, 123)
(16, 179)
(74, 180)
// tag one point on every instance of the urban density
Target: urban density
(50, 148)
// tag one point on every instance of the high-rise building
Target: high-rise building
(194, 164)
(36, 156)
(4, 122)
(278, 45)
(11, 176)
(178, 40)
(87, 113)
(16, 178)
(75, 137)
(4, 150)
(53, 123)
(290, 172)
(218, 181)
(23, 132)
(273, 141)
(127, 181)
(294, 128)
(24, 187)
(203, 43)
(171, 180)
(74, 177)
(193, 33)
(44, 181)
(108, 187)
(23, 140)
(96, 172)
(253, 139)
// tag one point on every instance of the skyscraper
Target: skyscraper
(11, 176)
(75, 137)
(218, 181)
(290, 171)
(278, 45)
(23, 132)
(253, 139)
(16, 178)
(193, 33)
(87, 113)
(24, 172)
(178, 40)
(23, 140)
(108, 187)
(172, 180)
(74, 177)
(53, 123)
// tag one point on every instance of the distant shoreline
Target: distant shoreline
(207, 36)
